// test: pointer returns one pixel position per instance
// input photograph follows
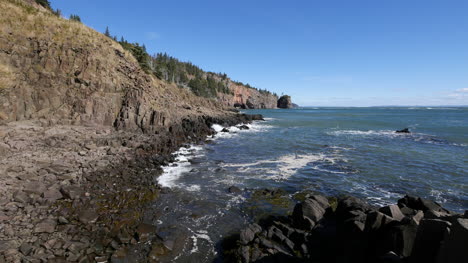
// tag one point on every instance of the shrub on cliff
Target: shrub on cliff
(75, 18)
(44, 3)
(139, 52)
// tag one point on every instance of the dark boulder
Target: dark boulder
(243, 127)
(390, 257)
(144, 232)
(376, 220)
(454, 248)
(392, 211)
(225, 130)
(306, 214)
(428, 239)
(398, 238)
(284, 102)
(349, 206)
(405, 130)
(418, 203)
(247, 234)
(234, 190)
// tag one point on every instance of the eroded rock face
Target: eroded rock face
(80, 77)
(247, 98)
(284, 102)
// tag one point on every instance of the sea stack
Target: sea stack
(284, 102)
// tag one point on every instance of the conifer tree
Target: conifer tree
(107, 33)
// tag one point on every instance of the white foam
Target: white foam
(217, 127)
(235, 130)
(200, 234)
(286, 165)
(193, 188)
(172, 172)
(365, 133)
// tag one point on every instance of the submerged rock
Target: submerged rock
(405, 130)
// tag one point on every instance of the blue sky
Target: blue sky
(322, 53)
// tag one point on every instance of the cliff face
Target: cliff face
(284, 102)
(247, 98)
(62, 72)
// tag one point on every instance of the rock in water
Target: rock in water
(285, 102)
(405, 130)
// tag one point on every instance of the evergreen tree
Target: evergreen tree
(58, 12)
(44, 3)
(107, 33)
(75, 18)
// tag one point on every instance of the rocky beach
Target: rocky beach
(78, 194)
(109, 154)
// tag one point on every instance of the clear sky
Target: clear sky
(321, 52)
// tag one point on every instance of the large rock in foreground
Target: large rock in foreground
(415, 230)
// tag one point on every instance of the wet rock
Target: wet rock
(225, 130)
(45, 226)
(144, 231)
(244, 127)
(247, 235)
(234, 190)
(88, 216)
(392, 211)
(157, 250)
(405, 130)
(120, 256)
(307, 213)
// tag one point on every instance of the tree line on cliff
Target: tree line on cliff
(170, 69)
(184, 74)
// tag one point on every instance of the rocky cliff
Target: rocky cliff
(284, 102)
(83, 133)
(247, 98)
(60, 71)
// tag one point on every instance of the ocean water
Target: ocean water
(333, 151)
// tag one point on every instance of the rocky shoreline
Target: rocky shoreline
(348, 229)
(77, 194)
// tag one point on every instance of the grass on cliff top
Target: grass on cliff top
(21, 23)
(21, 19)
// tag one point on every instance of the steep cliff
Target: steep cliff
(284, 102)
(62, 72)
(247, 98)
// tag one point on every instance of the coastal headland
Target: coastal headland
(85, 127)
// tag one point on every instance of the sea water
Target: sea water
(333, 151)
